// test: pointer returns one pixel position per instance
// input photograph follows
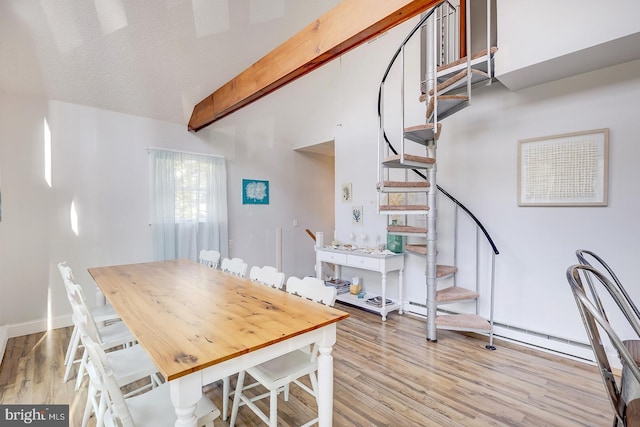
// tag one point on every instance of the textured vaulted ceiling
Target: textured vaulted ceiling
(150, 58)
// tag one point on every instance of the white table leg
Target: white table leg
(185, 394)
(325, 377)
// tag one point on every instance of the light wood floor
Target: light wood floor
(386, 374)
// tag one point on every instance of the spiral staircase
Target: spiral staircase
(407, 178)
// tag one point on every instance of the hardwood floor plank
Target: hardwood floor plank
(385, 374)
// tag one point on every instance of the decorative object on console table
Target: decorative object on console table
(356, 286)
(395, 243)
(377, 301)
(342, 286)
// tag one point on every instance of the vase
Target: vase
(395, 243)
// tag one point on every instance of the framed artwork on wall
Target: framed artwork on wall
(356, 214)
(564, 170)
(346, 192)
(255, 192)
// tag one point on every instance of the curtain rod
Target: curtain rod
(184, 152)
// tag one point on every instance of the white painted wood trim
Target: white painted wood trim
(4, 331)
(40, 325)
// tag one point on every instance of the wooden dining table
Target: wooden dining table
(200, 325)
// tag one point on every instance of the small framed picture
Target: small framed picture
(346, 192)
(356, 214)
(255, 192)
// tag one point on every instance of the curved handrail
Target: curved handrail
(384, 134)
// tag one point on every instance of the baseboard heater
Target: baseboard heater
(527, 337)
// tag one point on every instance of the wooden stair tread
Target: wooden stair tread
(416, 249)
(406, 229)
(462, 60)
(458, 77)
(408, 184)
(405, 184)
(411, 157)
(423, 133)
(444, 100)
(410, 161)
(445, 270)
(404, 207)
(455, 293)
(463, 322)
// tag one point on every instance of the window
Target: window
(188, 204)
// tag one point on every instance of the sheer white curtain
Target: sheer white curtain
(188, 204)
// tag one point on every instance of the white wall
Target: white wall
(569, 26)
(100, 165)
(541, 41)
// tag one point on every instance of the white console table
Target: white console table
(381, 263)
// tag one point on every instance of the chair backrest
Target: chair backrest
(209, 258)
(66, 274)
(75, 293)
(255, 273)
(592, 317)
(267, 275)
(70, 283)
(312, 288)
(81, 315)
(80, 310)
(106, 379)
(590, 258)
(235, 266)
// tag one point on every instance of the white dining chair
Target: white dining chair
(267, 275)
(129, 365)
(235, 266)
(110, 336)
(210, 258)
(152, 408)
(101, 314)
(114, 334)
(276, 375)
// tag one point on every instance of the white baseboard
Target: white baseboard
(35, 326)
(550, 344)
(4, 336)
(26, 328)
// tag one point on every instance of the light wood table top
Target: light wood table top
(188, 316)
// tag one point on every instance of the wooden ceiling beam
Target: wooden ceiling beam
(349, 24)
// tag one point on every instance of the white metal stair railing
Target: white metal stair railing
(441, 86)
